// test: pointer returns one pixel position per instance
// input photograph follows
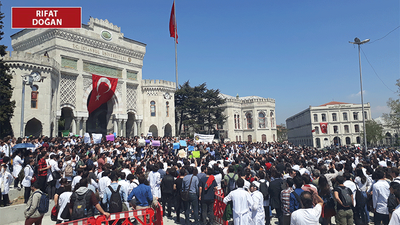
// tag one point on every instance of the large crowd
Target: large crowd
(258, 181)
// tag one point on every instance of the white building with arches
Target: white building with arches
(344, 124)
(65, 59)
(250, 118)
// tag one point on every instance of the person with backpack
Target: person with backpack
(230, 180)
(83, 201)
(68, 168)
(307, 214)
(344, 199)
(36, 206)
(207, 187)
(295, 202)
(264, 185)
(115, 196)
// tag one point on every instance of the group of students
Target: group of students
(296, 184)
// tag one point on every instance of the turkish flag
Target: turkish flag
(324, 127)
(173, 30)
(103, 90)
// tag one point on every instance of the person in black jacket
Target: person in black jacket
(274, 189)
(167, 190)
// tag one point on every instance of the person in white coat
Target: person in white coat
(51, 182)
(257, 211)
(242, 203)
(155, 181)
(26, 182)
(5, 180)
(17, 167)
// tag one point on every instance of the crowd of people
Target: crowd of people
(258, 181)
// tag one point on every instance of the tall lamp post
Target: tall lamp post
(358, 42)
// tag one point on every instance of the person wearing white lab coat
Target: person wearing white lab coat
(26, 182)
(155, 181)
(257, 211)
(17, 167)
(242, 203)
(5, 180)
(51, 182)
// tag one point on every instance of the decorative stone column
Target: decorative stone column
(84, 125)
(78, 125)
(56, 126)
(123, 128)
(135, 128)
(119, 128)
(115, 126)
(73, 125)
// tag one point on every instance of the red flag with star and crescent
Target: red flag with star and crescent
(103, 90)
(172, 24)
(324, 127)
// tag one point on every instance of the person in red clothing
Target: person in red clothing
(42, 171)
(100, 162)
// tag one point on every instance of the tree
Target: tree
(7, 106)
(392, 119)
(374, 132)
(281, 132)
(198, 108)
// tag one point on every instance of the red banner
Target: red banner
(46, 17)
(173, 32)
(324, 127)
(103, 90)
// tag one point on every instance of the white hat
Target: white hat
(256, 183)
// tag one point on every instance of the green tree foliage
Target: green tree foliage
(7, 106)
(393, 118)
(374, 132)
(198, 108)
(281, 132)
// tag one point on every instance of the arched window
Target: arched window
(167, 108)
(249, 138)
(237, 138)
(346, 129)
(261, 120)
(34, 97)
(316, 130)
(323, 117)
(318, 142)
(334, 117)
(365, 115)
(355, 115)
(249, 120)
(356, 128)
(235, 123)
(152, 108)
(264, 138)
(272, 119)
(358, 140)
(348, 140)
(345, 116)
(335, 129)
(315, 118)
(238, 122)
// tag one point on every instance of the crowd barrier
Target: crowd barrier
(219, 208)
(124, 218)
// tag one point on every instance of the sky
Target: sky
(296, 52)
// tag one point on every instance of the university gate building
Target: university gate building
(52, 79)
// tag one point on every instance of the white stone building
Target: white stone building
(344, 124)
(65, 59)
(390, 133)
(249, 119)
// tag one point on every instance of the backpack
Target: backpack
(298, 199)
(21, 174)
(264, 190)
(231, 184)
(43, 203)
(115, 204)
(79, 209)
(69, 170)
(345, 197)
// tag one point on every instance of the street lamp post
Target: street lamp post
(358, 42)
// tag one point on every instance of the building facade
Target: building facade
(390, 133)
(61, 63)
(344, 124)
(249, 119)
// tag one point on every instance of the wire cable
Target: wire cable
(375, 71)
(384, 36)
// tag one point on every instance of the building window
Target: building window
(335, 129)
(316, 130)
(355, 115)
(152, 108)
(167, 108)
(315, 118)
(358, 140)
(249, 138)
(273, 137)
(318, 142)
(249, 120)
(234, 118)
(323, 117)
(237, 138)
(365, 115)
(345, 116)
(334, 118)
(240, 138)
(264, 138)
(346, 129)
(272, 119)
(34, 97)
(238, 122)
(261, 120)
(347, 140)
(356, 128)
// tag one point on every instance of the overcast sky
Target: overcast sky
(296, 52)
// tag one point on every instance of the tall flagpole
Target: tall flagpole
(176, 51)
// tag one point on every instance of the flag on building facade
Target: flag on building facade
(173, 30)
(324, 127)
(103, 90)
